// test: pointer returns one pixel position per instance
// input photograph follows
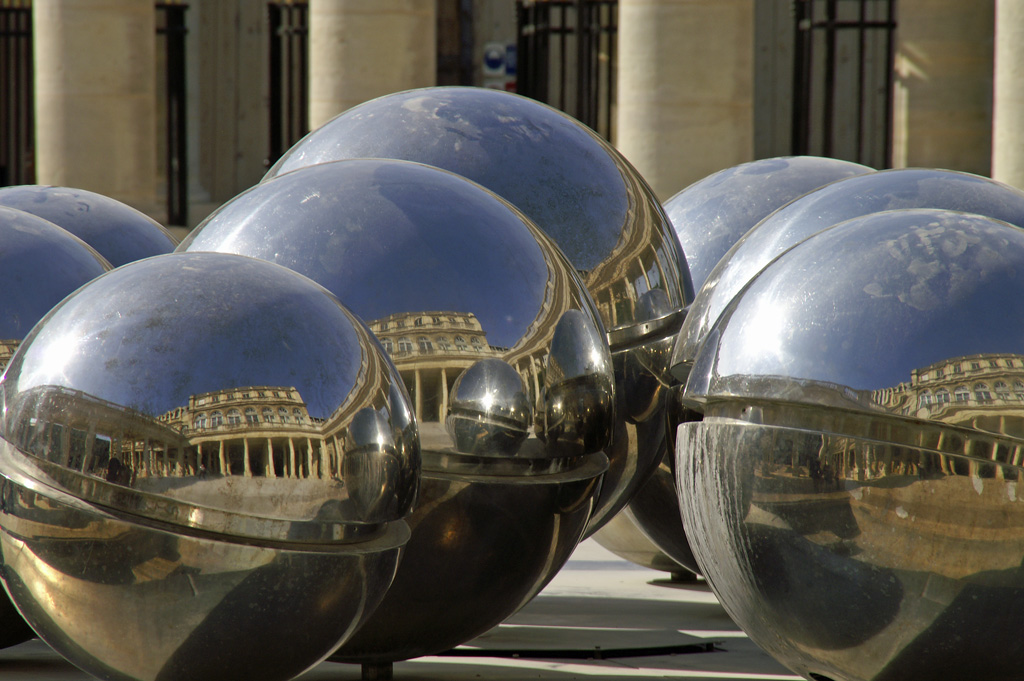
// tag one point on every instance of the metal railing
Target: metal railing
(566, 57)
(17, 117)
(289, 71)
(843, 69)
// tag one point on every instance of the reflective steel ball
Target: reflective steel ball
(203, 471)
(709, 217)
(822, 208)
(505, 358)
(583, 194)
(852, 490)
(120, 233)
(40, 264)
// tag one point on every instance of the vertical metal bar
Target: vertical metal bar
(613, 40)
(303, 77)
(7, 100)
(828, 128)
(176, 154)
(890, 82)
(288, 47)
(563, 39)
(276, 147)
(801, 78)
(861, 78)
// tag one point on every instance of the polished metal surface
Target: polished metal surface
(506, 360)
(582, 193)
(40, 264)
(709, 217)
(192, 446)
(852, 487)
(120, 233)
(822, 208)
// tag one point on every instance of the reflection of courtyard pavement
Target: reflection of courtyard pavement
(597, 600)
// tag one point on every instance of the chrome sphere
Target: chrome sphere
(505, 358)
(583, 194)
(120, 233)
(852, 488)
(189, 453)
(822, 208)
(709, 217)
(40, 264)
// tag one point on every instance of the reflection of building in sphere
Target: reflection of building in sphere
(430, 350)
(255, 430)
(643, 260)
(7, 349)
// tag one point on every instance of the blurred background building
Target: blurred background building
(175, 107)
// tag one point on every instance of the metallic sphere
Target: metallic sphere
(120, 233)
(583, 194)
(852, 488)
(822, 208)
(506, 360)
(709, 217)
(40, 264)
(204, 471)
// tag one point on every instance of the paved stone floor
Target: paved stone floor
(600, 618)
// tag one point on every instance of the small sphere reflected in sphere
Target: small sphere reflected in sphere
(582, 193)
(479, 311)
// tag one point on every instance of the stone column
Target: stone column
(942, 114)
(362, 49)
(1008, 116)
(95, 97)
(685, 88)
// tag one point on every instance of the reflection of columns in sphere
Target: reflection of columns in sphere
(123, 450)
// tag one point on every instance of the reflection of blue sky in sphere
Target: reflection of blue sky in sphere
(548, 165)
(390, 237)
(40, 263)
(150, 334)
(870, 300)
(839, 201)
(710, 215)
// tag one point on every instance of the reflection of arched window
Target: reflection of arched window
(283, 413)
(444, 343)
(1018, 389)
(982, 394)
(924, 401)
(961, 394)
(1002, 390)
(460, 343)
(475, 340)
(234, 417)
(425, 344)
(404, 345)
(250, 416)
(418, 322)
(297, 413)
(216, 419)
(200, 422)
(268, 415)
(388, 346)
(941, 396)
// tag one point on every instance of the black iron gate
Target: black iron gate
(566, 57)
(17, 130)
(289, 70)
(843, 79)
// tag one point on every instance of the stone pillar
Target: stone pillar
(362, 49)
(1008, 116)
(942, 114)
(685, 88)
(246, 464)
(95, 97)
(271, 472)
